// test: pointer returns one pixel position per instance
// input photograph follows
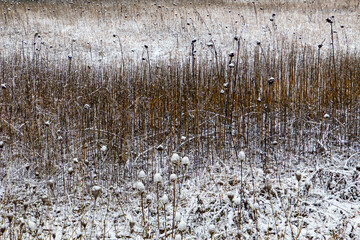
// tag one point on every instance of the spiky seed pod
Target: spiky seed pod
(75, 160)
(2, 144)
(160, 148)
(326, 116)
(329, 20)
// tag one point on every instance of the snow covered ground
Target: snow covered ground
(86, 31)
(304, 202)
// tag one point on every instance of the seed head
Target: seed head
(182, 226)
(271, 80)
(164, 199)
(157, 178)
(95, 191)
(140, 187)
(329, 20)
(307, 185)
(298, 176)
(173, 177)
(242, 156)
(175, 159)
(142, 175)
(185, 161)
(103, 148)
(212, 229)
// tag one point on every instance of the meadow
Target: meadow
(179, 120)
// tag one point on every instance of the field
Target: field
(179, 119)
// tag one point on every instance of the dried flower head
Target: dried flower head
(157, 178)
(175, 159)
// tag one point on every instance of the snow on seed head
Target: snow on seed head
(182, 226)
(177, 216)
(164, 199)
(173, 177)
(185, 161)
(326, 116)
(2, 144)
(50, 183)
(175, 159)
(212, 229)
(271, 80)
(231, 65)
(178, 237)
(237, 201)
(242, 156)
(140, 187)
(95, 191)
(157, 178)
(160, 147)
(103, 148)
(142, 175)
(86, 106)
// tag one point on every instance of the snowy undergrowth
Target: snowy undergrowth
(221, 202)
